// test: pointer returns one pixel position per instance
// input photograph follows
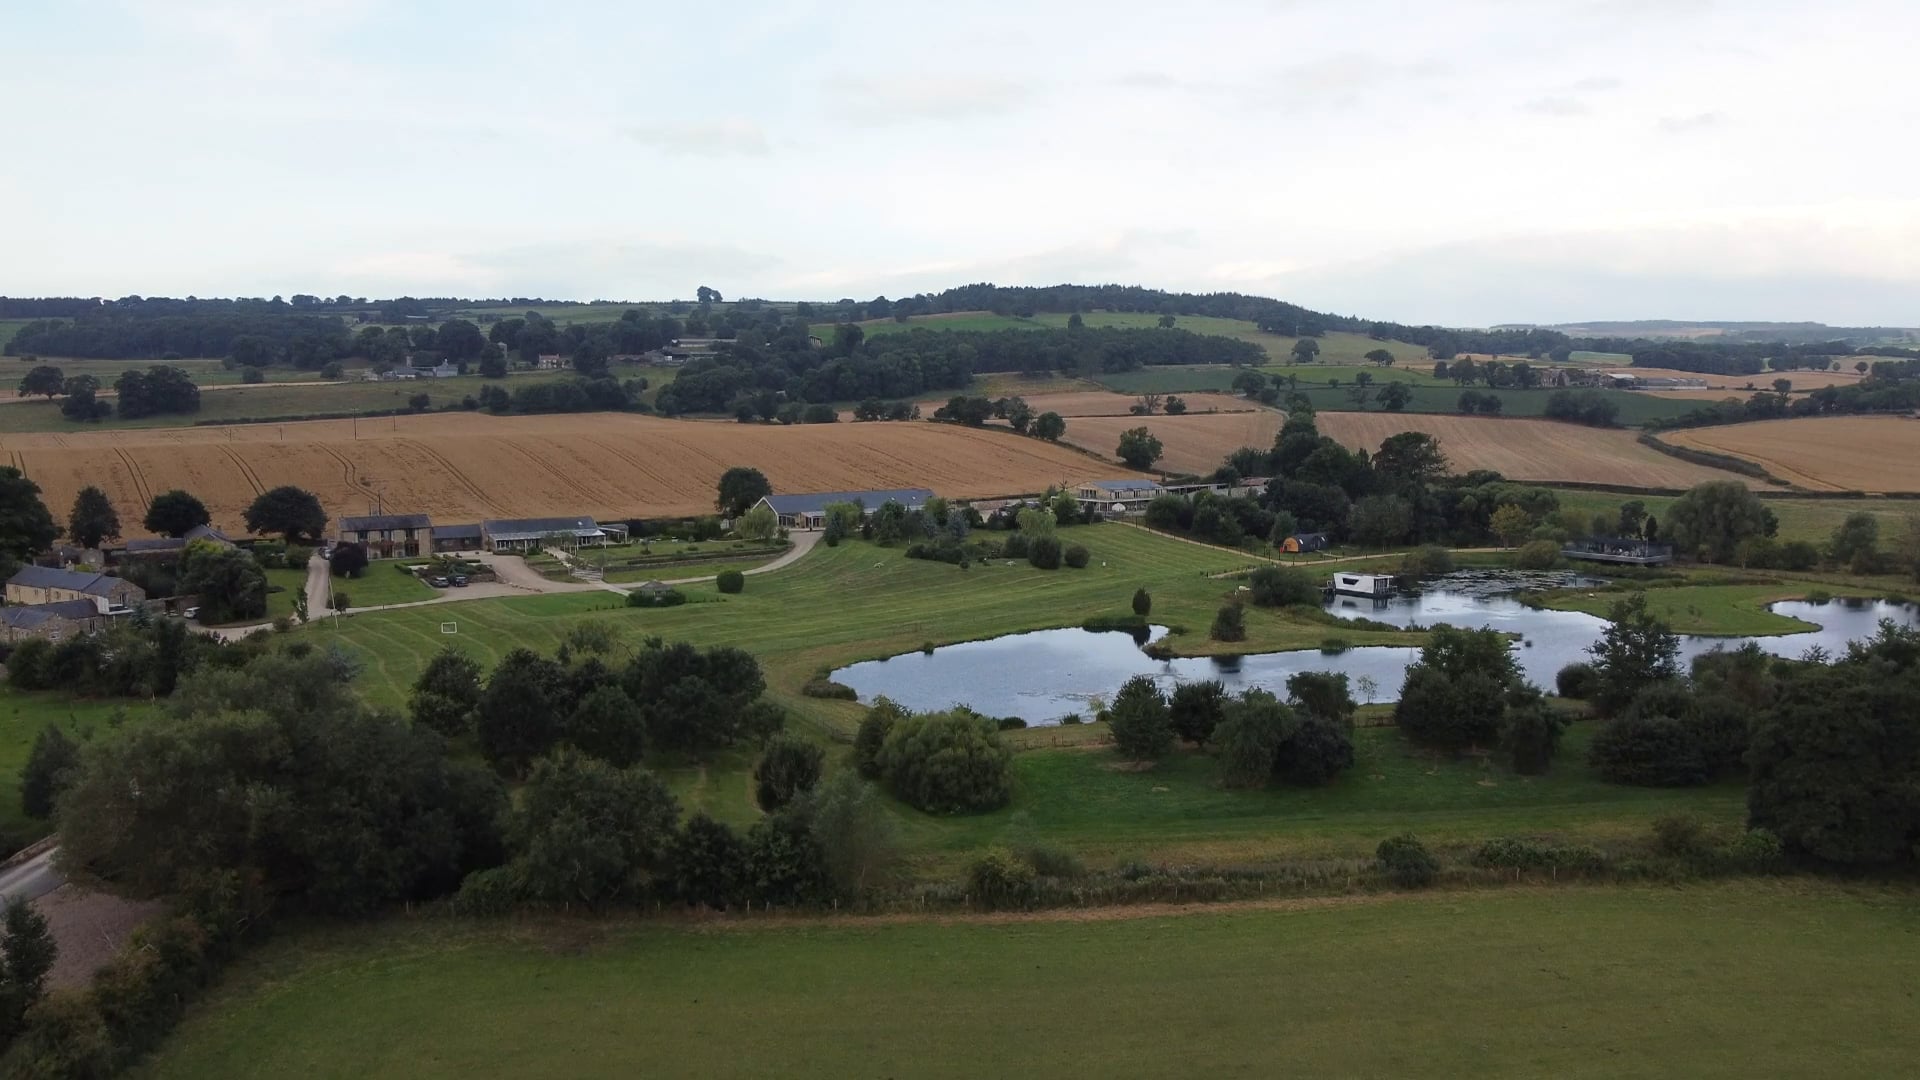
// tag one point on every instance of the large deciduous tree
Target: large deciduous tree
(45, 380)
(293, 512)
(1138, 448)
(92, 519)
(739, 488)
(175, 513)
(1139, 719)
(26, 526)
(1711, 520)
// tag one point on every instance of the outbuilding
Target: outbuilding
(1302, 543)
(809, 510)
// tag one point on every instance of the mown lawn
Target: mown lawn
(1715, 610)
(1737, 979)
(383, 583)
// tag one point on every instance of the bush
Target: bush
(872, 735)
(730, 581)
(1319, 749)
(1142, 726)
(1537, 555)
(1757, 849)
(1657, 742)
(1229, 624)
(1406, 861)
(1513, 853)
(947, 763)
(823, 687)
(998, 880)
(1279, 586)
(1076, 556)
(1678, 835)
(1530, 736)
(670, 598)
(1196, 708)
(1044, 553)
(1577, 681)
(1430, 560)
(787, 767)
(1015, 546)
(1142, 603)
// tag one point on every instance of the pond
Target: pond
(1046, 674)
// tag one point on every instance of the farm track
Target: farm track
(135, 477)
(479, 494)
(246, 470)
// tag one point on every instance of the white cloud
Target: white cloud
(719, 138)
(902, 99)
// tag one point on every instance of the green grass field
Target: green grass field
(1812, 520)
(9, 327)
(204, 372)
(1712, 610)
(381, 583)
(1741, 979)
(1609, 359)
(22, 715)
(290, 583)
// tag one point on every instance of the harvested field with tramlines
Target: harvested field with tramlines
(1531, 449)
(1194, 442)
(1826, 453)
(460, 467)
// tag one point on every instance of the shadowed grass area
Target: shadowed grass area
(1726, 980)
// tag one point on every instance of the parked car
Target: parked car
(191, 613)
(459, 581)
(437, 581)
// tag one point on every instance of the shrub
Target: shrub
(1142, 726)
(945, 763)
(730, 581)
(1142, 603)
(1319, 749)
(1044, 553)
(1678, 835)
(1530, 736)
(1196, 708)
(1757, 849)
(872, 735)
(1514, 853)
(1406, 861)
(670, 598)
(1657, 742)
(1430, 560)
(1279, 586)
(998, 880)
(787, 767)
(823, 687)
(1015, 546)
(1076, 556)
(1576, 681)
(1537, 555)
(1229, 624)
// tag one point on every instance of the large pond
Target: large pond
(1044, 675)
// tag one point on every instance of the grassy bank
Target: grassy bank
(1732, 979)
(1713, 610)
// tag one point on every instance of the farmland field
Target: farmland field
(238, 404)
(204, 372)
(1426, 394)
(1734, 979)
(1530, 449)
(466, 467)
(1812, 520)
(1195, 443)
(1335, 348)
(1826, 453)
(1098, 402)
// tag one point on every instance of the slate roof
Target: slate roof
(385, 522)
(535, 528)
(456, 532)
(208, 532)
(149, 545)
(816, 501)
(33, 616)
(90, 582)
(1120, 485)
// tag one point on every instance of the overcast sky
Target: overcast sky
(1455, 162)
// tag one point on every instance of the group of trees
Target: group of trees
(976, 411)
(1466, 691)
(1256, 737)
(943, 763)
(162, 388)
(1890, 386)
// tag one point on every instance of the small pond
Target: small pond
(1046, 674)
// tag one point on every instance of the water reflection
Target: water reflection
(1043, 675)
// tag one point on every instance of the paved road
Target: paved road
(31, 878)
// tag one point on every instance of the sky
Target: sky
(1467, 163)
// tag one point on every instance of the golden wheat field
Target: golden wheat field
(461, 467)
(1193, 443)
(1530, 449)
(1826, 453)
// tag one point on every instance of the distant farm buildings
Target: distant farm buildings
(808, 510)
(1119, 496)
(406, 536)
(46, 602)
(1628, 380)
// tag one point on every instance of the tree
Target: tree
(859, 840)
(1142, 602)
(1142, 728)
(83, 404)
(92, 519)
(493, 362)
(446, 693)
(1049, 426)
(1044, 553)
(48, 769)
(588, 832)
(608, 726)
(517, 717)
(1856, 541)
(26, 959)
(175, 513)
(872, 735)
(1456, 696)
(1511, 524)
(740, 487)
(1381, 357)
(1530, 735)
(25, 525)
(1394, 396)
(1635, 651)
(1166, 322)
(1305, 350)
(1381, 520)
(1196, 708)
(759, 523)
(1412, 457)
(293, 512)
(787, 768)
(708, 861)
(1633, 517)
(947, 763)
(1138, 448)
(1407, 862)
(44, 380)
(1248, 738)
(1710, 520)
(1280, 586)
(229, 582)
(349, 559)
(1229, 623)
